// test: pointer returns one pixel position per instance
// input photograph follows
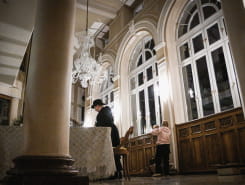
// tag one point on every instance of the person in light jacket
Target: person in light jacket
(163, 148)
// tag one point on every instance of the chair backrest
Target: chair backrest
(124, 139)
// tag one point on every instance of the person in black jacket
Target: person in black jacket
(105, 119)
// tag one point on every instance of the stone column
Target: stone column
(14, 110)
(163, 81)
(234, 14)
(165, 97)
(46, 159)
(117, 111)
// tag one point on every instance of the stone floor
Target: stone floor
(178, 180)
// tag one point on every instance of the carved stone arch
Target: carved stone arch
(161, 25)
(140, 30)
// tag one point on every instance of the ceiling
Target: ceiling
(16, 28)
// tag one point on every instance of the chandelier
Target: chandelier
(85, 68)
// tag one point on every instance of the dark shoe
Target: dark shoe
(119, 174)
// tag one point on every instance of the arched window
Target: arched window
(208, 75)
(143, 80)
(106, 90)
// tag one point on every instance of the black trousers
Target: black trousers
(162, 159)
(118, 162)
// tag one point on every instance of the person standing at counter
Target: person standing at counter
(105, 118)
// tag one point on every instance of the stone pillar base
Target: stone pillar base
(44, 170)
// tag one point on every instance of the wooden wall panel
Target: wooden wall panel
(142, 150)
(186, 157)
(141, 159)
(133, 161)
(202, 144)
(213, 148)
(241, 138)
(215, 140)
(229, 144)
(148, 157)
(198, 153)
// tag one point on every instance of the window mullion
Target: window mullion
(197, 90)
(231, 73)
(147, 111)
(213, 83)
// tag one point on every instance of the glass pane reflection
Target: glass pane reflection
(184, 51)
(151, 102)
(198, 43)
(190, 93)
(140, 79)
(222, 79)
(149, 73)
(142, 111)
(213, 34)
(205, 88)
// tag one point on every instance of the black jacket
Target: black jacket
(105, 119)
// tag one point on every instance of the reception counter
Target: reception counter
(90, 147)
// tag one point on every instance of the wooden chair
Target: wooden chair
(123, 151)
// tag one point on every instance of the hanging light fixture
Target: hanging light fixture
(85, 68)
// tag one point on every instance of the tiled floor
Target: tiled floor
(178, 180)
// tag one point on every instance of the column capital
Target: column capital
(116, 89)
(115, 80)
(160, 45)
(161, 63)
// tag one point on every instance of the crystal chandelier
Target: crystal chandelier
(85, 68)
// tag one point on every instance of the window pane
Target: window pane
(152, 44)
(140, 79)
(205, 88)
(198, 43)
(190, 93)
(160, 109)
(134, 113)
(156, 69)
(184, 51)
(149, 73)
(214, 2)
(195, 21)
(142, 111)
(224, 26)
(182, 29)
(208, 11)
(112, 96)
(4, 111)
(106, 99)
(213, 34)
(139, 61)
(151, 102)
(148, 55)
(185, 19)
(222, 79)
(132, 83)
